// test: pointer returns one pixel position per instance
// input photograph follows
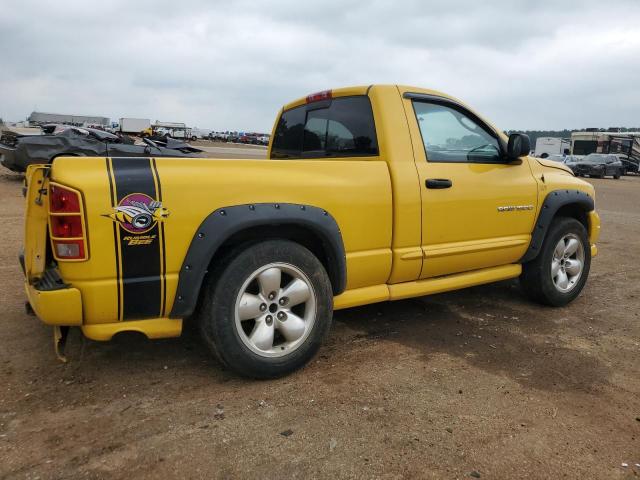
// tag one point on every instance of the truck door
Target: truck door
(477, 210)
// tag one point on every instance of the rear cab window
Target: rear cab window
(339, 127)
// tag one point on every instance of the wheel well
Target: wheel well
(304, 236)
(574, 210)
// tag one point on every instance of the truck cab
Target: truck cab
(368, 194)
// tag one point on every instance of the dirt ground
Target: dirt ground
(478, 383)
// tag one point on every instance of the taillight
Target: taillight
(317, 97)
(66, 226)
(65, 221)
(62, 200)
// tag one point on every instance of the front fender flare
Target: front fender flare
(224, 222)
(554, 200)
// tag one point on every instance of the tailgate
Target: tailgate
(35, 227)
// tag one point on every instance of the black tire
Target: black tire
(217, 310)
(617, 175)
(536, 279)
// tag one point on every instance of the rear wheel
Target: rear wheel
(267, 309)
(559, 272)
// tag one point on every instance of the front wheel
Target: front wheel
(267, 309)
(559, 272)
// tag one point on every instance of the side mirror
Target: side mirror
(518, 146)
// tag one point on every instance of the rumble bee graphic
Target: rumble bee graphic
(138, 213)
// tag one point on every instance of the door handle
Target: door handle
(438, 183)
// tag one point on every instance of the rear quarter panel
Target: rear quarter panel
(356, 192)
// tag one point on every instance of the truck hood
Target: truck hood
(552, 164)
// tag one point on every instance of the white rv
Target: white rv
(546, 146)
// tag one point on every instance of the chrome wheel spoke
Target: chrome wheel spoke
(555, 267)
(269, 281)
(249, 306)
(292, 328)
(262, 335)
(571, 247)
(559, 250)
(296, 292)
(573, 266)
(562, 280)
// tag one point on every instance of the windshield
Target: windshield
(595, 158)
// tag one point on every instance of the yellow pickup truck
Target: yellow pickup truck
(368, 194)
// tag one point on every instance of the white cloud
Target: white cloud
(231, 65)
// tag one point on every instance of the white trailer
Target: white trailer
(134, 125)
(546, 146)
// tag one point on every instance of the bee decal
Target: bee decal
(138, 213)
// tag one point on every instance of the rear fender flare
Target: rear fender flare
(554, 200)
(224, 222)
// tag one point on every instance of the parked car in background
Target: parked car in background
(598, 165)
(568, 159)
(67, 141)
(556, 158)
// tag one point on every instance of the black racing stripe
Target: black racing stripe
(155, 170)
(141, 275)
(163, 269)
(164, 272)
(115, 240)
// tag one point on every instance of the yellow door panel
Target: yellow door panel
(476, 211)
(470, 215)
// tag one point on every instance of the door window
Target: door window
(451, 136)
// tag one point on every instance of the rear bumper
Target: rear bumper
(56, 307)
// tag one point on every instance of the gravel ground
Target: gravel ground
(478, 383)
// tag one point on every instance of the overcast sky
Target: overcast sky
(231, 65)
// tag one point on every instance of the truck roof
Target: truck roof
(363, 90)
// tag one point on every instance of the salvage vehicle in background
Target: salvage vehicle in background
(598, 165)
(626, 145)
(368, 194)
(62, 140)
(568, 159)
(629, 164)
